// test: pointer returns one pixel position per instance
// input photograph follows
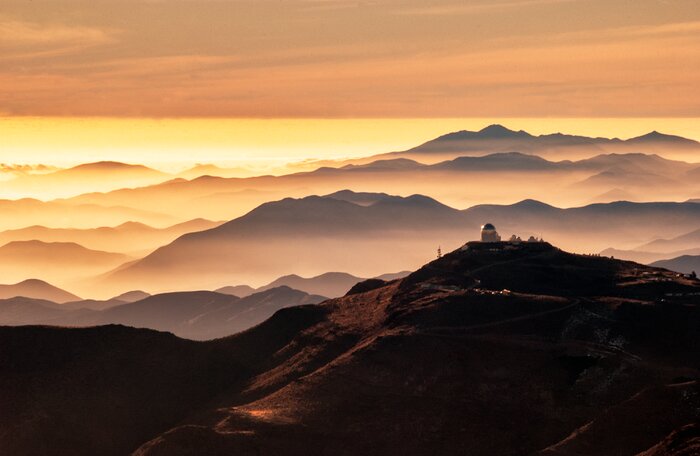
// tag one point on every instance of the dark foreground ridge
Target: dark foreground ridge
(492, 350)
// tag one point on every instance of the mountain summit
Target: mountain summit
(499, 131)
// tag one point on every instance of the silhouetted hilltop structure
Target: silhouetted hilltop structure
(484, 351)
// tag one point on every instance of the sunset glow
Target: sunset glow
(350, 59)
(352, 227)
(265, 144)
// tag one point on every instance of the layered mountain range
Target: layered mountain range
(497, 138)
(564, 170)
(336, 232)
(460, 181)
(228, 314)
(368, 234)
(196, 315)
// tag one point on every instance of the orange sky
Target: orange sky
(350, 58)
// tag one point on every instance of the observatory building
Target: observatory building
(491, 242)
(489, 233)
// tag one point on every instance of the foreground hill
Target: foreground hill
(581, 355)
(197, 315)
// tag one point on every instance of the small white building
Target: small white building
(489, 233)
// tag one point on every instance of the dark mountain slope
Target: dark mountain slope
(634, 419)
(681, 442)
(442, 362)
(105, 390)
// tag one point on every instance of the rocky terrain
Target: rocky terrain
(491, 350)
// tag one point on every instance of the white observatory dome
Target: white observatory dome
(489, 233)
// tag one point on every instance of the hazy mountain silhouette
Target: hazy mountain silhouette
(126, 237)
(459, 181)
(496, 138)
(99, 176)
(395, 164)
(579, 356)
(330, 284)
(593, 227)
(236, 290)
(685, 241)
(103, 304)
(194, 315)
(319, 234)
(641, 256)
(683, 263)
(615, 177)
(26, 212)
(655, 137)
(611, 196)
(361, 198)
(36, 289)
(634, 163)
(505, 161)
(54, 261)
(132, 296)
(20, 310)
(516, 161)
(213, 170)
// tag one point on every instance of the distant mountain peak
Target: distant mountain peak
(654, 135)
(37, 289)
(533, 204)
(132, 225)
(34, 282)
(499, 131)
(109, 165)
